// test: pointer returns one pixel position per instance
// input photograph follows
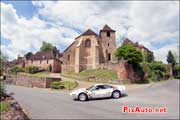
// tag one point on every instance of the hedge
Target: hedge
(31, 69)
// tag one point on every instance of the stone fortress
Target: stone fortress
(90, 50)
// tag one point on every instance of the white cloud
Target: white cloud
(28, 34)
(161, 54)
(148, 22)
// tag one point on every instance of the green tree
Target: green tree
(27, 55)
(157, 70)
(130, 54)
(49, 47)
(176, 71)
(170, 58)
(46, 46)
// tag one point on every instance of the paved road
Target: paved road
(48, 104)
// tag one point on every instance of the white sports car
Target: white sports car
(98, 91)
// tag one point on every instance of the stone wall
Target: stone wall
(30, 81)
(124, 71)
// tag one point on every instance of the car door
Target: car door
(98, 92)
(108, 90)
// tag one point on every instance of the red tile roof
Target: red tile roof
(42, 55)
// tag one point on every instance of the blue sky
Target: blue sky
(23, 8)
(25, 24)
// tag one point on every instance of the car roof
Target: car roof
(102, 84)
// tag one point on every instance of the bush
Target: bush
(2, 89)
(154, 71)
(176, 71)
(157, 71)
(69, 85)
(16, 69)
(63, 84)
(57, 85)
(31, 69)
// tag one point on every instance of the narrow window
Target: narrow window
(109, 56)
(47, 61)
(31, 61)
(108, 44)
(108, 34)
(88, 43)
(40, 61)
(68, 57)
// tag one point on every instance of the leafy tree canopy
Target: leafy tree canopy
(48, 47)
(170, 58)
(130, 54)
(27, 55)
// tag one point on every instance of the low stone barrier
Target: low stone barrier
(30, 81)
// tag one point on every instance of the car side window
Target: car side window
(107, 86)
(100, 87)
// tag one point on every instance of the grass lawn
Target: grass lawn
(69, 85)
(4, 106)
(106, 74)
(39, 74)
(64, 84)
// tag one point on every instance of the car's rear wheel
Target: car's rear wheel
(82, 97)
(116, 94)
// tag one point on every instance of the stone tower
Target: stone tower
(108, 40)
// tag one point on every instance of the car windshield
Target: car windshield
(90, 87)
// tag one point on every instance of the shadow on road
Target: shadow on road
(109, 98)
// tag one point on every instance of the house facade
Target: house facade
(45, 61)
(89, 50)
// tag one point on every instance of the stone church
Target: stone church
(89, 50)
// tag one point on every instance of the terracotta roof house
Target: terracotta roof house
(20, 61)
(45, 61)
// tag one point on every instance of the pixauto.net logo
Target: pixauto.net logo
(138, 109)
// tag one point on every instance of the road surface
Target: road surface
(49, 104)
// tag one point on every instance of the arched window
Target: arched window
(88, 43)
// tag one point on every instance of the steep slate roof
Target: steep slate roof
(87, 32)
(107, 28)
(42, 55)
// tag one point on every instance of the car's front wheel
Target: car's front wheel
(82, 97)
(116, 94)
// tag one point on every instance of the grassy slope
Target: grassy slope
(107, 74)
(39, 74)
